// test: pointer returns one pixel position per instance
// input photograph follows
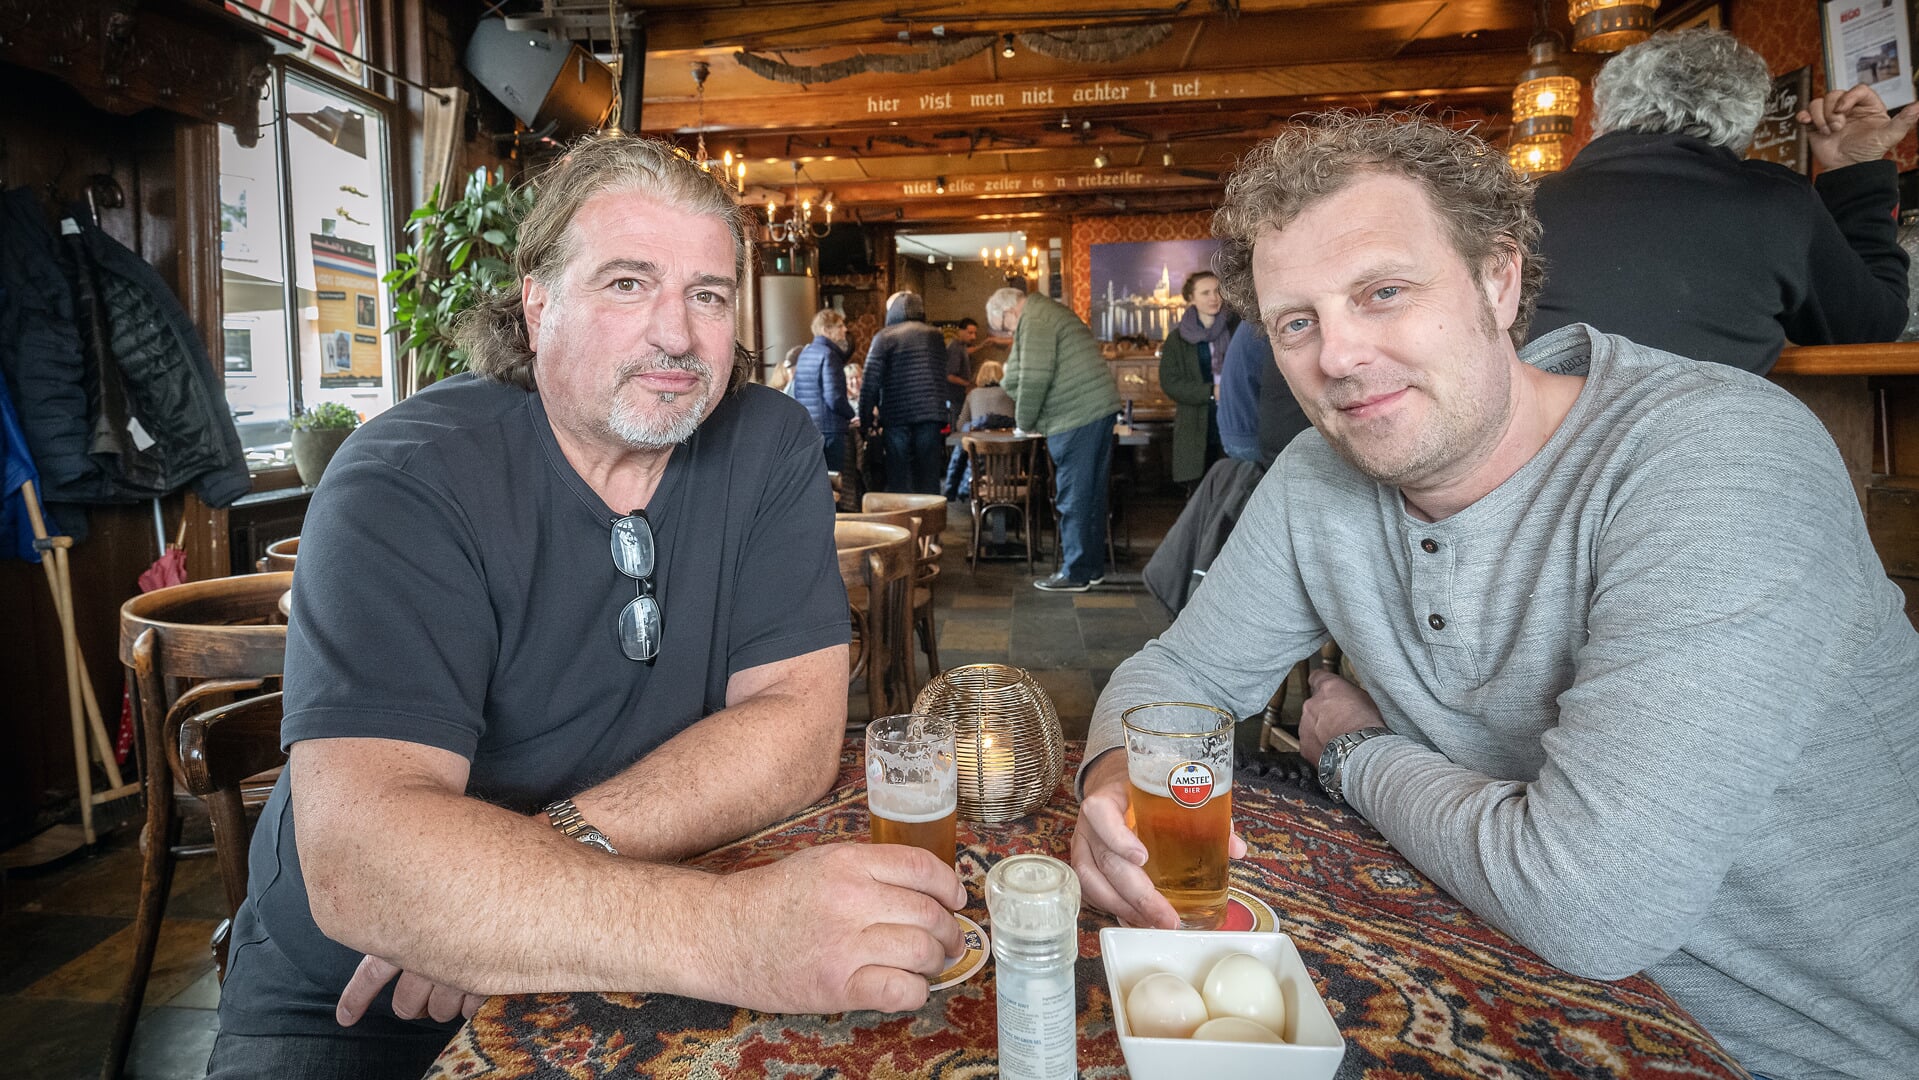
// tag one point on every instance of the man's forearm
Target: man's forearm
(652, 810)
(419, 875)
(1553, 878)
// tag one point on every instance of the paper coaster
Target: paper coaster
(1244, 911)
(974, 958)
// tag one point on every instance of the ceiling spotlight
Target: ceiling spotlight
(1166, 156)
(931, 258)
(949, 264)
(939, 186)
(1064, 123)
(1006, 46)
(1099, 159)
(1086, 125)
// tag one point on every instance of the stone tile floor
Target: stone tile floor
(66, 933)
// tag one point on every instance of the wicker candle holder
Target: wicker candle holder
(1011, 749)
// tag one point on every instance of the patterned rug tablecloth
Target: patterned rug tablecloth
(1419, 986)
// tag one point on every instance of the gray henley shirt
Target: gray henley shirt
(1657, 702)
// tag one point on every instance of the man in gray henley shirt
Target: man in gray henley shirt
(1636, 687)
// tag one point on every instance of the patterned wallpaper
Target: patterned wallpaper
(1084, 232)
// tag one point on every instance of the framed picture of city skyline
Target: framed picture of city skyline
(1136, 287)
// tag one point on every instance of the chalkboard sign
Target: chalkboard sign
(1779, 137)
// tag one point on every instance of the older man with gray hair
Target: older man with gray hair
(1661, 231)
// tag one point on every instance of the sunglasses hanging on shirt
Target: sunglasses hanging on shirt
(633, 555)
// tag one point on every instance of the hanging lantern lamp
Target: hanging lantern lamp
(1547, 97)
(1607, 26)
(1536, 159)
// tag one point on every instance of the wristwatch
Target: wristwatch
(564, 816)
(1333, 758)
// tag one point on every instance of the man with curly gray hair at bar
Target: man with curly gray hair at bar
(1661, 231)
(1636, 689)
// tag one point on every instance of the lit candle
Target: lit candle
(829, 211)
(742, 175)
(996, 766)
(769, 211)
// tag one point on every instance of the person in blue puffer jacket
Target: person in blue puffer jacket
(819, 383)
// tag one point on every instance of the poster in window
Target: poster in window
(239, 350)
(345, 284)
(1869, 41)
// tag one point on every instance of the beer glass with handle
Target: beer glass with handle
(1179, 762)
(912, 783)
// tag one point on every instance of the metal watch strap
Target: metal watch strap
(564, 816)
(1332, 760)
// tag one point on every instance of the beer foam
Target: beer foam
(912, 804)
(1148, 773)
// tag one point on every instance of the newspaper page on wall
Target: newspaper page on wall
(1869, 41)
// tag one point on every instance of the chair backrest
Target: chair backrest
(219, 750)
(1002, 469)
(281, 555)
(195, 645)
(927, 524)
(877, 563)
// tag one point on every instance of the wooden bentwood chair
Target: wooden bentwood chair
(1004, 479)
(929, 515)
(188, 648)
(876, 563)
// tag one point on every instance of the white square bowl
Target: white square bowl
(1313, 1046)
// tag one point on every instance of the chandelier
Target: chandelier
(1009, 258)
(1605, 26)
(798, 227)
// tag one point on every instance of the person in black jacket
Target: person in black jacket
(1662, 232)
(903, 394)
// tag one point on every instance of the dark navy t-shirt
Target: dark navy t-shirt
(456, 588)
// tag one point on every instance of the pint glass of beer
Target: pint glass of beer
(1179, 759)
(912, 783)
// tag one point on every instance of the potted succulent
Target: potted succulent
(317, 434)
(462, 250)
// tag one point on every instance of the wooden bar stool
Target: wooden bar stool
(188, 648)
(876, 563)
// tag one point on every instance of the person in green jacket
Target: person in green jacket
(1064, 390)
(1189, 368)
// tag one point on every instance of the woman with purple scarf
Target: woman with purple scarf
(1189, 367)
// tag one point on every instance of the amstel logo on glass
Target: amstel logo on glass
(1190, 783)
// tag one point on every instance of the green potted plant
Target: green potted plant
(462, 250)
(317, 434)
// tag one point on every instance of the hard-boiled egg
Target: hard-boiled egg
(1164, 1006)
(1235, 1029)
(1240, 985)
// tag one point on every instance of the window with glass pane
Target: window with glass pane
(253, 290)
(336, 170)
(304, 241)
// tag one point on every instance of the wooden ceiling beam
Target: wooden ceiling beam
(1018, 185)
(766, 24)
(995, 140)
(1015, 213)
(961, 103)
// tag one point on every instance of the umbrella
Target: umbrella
(169, 569)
